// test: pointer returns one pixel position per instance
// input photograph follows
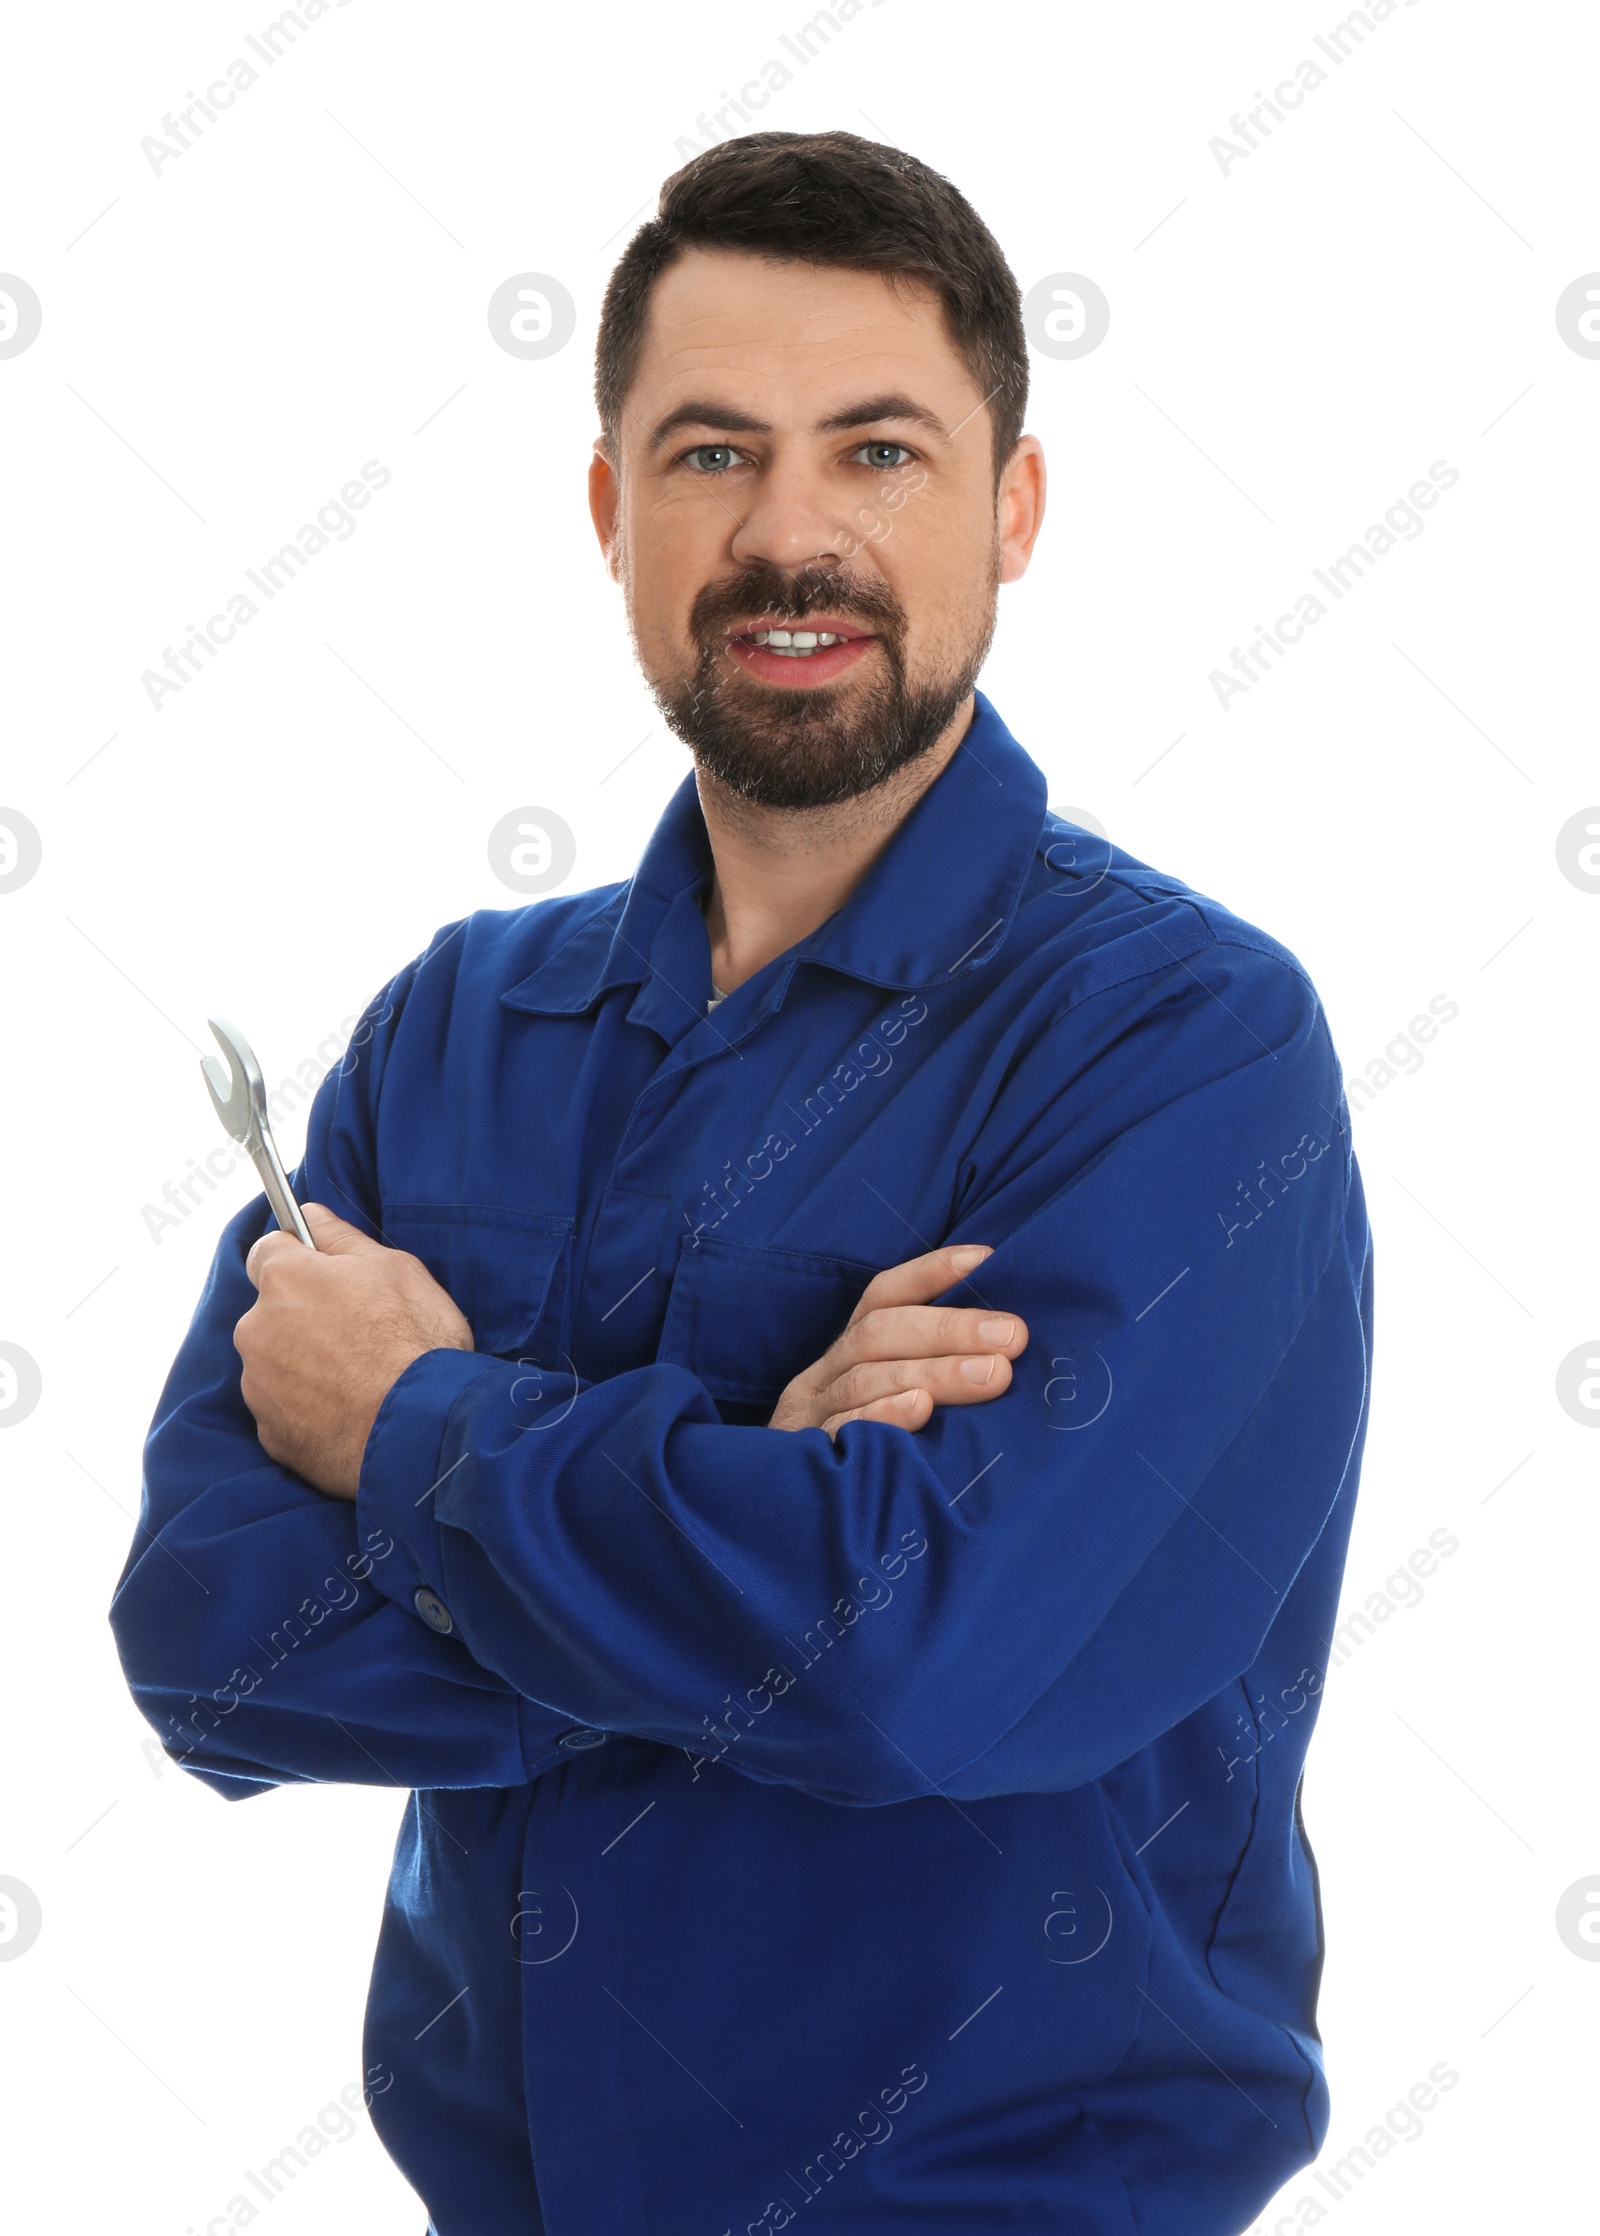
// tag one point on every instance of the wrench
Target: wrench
(239, 1097)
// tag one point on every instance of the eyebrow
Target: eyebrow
(700, 412)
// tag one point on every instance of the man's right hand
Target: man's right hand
(902, 1355)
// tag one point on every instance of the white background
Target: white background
(1292, 343)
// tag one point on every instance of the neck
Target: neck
(780, 872)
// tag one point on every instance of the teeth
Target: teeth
(794, 640)
(794, 644)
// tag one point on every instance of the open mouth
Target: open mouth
(795, 644)
(801, 652)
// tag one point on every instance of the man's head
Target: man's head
(811, 375)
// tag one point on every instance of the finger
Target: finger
(924, 1331)
(922, 1279)
(909, 1410)
(335, 1237)
(266, 1247)
(972, 1378)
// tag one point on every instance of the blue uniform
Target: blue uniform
(881, 1834)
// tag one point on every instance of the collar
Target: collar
(936, 904)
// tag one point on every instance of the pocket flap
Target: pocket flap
(747, 1321)
(506, 1270)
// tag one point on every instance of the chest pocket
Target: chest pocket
(746, 1321)
(508, 1271)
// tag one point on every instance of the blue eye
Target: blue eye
(711, 458)
(874, 457)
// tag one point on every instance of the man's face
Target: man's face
(804, 451)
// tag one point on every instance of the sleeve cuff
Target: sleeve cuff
(402, 1470)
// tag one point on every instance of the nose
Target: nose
(791, 519)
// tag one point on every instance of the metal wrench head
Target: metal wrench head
(238, 1093)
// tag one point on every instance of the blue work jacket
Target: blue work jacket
(886, 1833)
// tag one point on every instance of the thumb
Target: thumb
(335, 1237)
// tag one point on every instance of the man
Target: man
(821, 1430)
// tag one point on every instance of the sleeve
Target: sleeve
(1023, 1593)
(249, 1619)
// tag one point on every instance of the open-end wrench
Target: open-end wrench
(239, 1096)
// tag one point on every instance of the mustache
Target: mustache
(769, 591)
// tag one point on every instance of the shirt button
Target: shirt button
(433, 1611)
(578, 1740)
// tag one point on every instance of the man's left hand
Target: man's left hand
(329, 1334)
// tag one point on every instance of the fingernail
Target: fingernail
(905, 1399)
(978, 1370)
(969, 1255)
(997, 1332)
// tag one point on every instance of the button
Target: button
(433, 1611)
(580, 1739)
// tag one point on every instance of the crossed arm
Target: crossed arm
(629, 1565)
(333, 1329)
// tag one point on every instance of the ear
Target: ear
(605, 500)
(1019, 507)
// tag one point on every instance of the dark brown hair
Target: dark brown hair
(826, 198)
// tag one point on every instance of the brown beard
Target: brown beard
(808, 748)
